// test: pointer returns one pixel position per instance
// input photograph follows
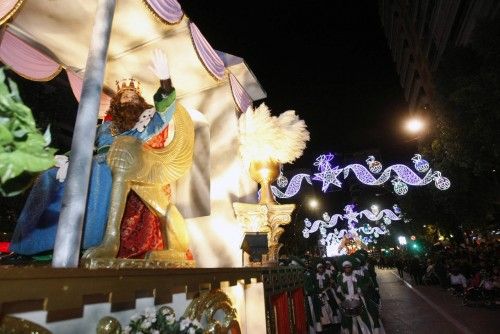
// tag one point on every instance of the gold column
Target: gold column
(266, 218)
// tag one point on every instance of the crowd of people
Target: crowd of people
(341, 294)
(462, 269)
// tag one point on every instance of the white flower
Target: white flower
(146, 324)
(185, 323)
(127, 330)
(156, 332)
(170, 318)
(135, 317)
(196, 323)
(192, 330)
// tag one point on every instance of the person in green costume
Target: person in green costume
(350, 292)
(369, 288)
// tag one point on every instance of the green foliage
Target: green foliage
(464, 143)
(23, 148)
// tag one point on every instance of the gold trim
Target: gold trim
(63, 292)
(10, 324)
(199, 57)
(137, 263)
(159, 18)
(11, 12)
(50, 77)
(207, 305)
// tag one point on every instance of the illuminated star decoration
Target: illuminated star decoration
(402, 176)
(327, 174)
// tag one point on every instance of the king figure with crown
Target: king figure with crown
(140, 150)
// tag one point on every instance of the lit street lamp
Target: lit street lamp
(414, 125)
(313, 203)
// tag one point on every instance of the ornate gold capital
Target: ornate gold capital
(267, 218)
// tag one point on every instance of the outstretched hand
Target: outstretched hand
(159, 65)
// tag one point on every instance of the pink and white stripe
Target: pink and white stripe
(240, 96)
(169, 10)
(25, 60)
(206, 53)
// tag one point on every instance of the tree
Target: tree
(464, 141)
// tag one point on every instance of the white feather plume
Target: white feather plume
(265, 137)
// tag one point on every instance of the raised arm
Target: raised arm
(165, 95)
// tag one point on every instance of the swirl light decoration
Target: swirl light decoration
(402, 175)
(352, 217)
(293, 186)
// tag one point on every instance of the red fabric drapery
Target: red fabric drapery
(140, 230)
(282, 317)
(299, 311)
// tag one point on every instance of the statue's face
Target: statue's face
(348, 270)
(129, 96)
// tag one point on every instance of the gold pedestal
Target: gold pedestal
(267, 218)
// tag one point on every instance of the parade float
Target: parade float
(195, 281)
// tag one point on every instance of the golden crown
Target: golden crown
(128, 84)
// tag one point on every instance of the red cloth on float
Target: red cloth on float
(280, 305)
(140, 230)
(299, 311)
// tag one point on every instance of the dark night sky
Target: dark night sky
(332, 66)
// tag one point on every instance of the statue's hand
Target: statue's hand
(159, 65)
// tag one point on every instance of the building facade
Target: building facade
(418, 33)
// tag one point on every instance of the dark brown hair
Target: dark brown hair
(125, 115)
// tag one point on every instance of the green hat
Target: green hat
(360, 258)
(358, 261)
(363, 252)
(346, 260)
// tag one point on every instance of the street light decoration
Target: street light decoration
(366, 233)
(374, 165)
(421, 165)
(402, 175)
(268, 141)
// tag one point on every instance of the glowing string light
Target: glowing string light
(329, 177)
(402, 176)
(293, 186)
(374, 165)
(351, 216)
(421, 165)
